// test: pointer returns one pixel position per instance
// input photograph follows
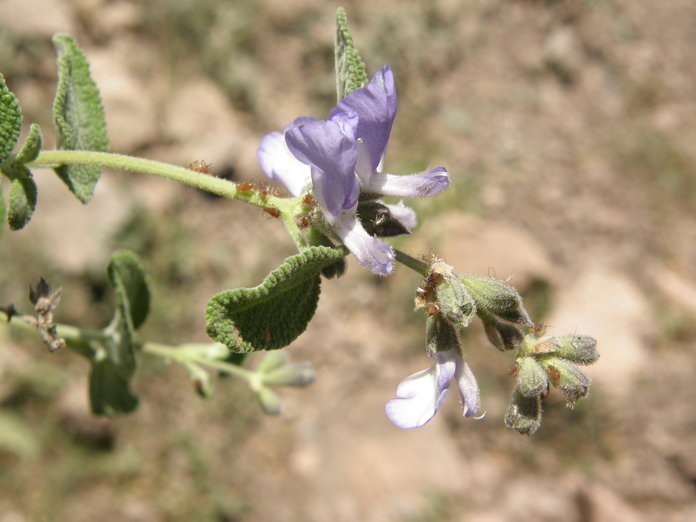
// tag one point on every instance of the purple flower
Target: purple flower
(341, 157)
(420, 396)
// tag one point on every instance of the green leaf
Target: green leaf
(109, 391)
(275, 313)
(32, 145)
(129, 280)
(350, 68)
(78, 116)
(22, 197)
(10, 120)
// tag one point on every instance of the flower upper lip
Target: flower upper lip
(343, 155)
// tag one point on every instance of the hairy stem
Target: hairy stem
(221, 187)
(421, 267)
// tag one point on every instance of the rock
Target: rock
(36, 18)
(563, 53)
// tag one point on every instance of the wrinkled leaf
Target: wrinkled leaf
(78, 116)
(350, 68)
(10, 120)
(273, 314)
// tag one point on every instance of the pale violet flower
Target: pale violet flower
(420, 396)
(341, 157)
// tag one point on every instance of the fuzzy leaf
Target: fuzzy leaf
(273, 314)
(129, 280)
(350, 68)
(78, 116)
(109, 391)
(22, 198)
(32, 145)
(10, 120)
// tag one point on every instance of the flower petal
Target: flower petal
(420, 395)
(469, 394)
(403, 214)
(425, 184)
(325, 146)
(281, 165)
(373, 254)
(376, 105)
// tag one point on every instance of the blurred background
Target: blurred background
(568, 128)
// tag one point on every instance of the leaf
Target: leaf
(78, 116)
(350, 68)
(10, 120)
(109, 391)
(32, 145)
(276, 312)
(129, 280)
(22, 197)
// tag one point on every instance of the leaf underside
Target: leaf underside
(78, 116)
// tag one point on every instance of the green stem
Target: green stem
(288, 207)
(221, 187)
(185, 356)
(414, 264)
(79, 341)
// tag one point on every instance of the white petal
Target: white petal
(425, 184)
(469, 394)
(419, 396)
(403, 214)
(280, 164)
(373, 254)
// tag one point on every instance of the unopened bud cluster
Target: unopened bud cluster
(452, 301)
(542, 362)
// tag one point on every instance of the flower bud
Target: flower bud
(523, 414)
(580, 349)
(532, 380)
(454, 302)
(269, 401)
(289, 375)
(440, 335)
(273, 359)
(202, 382)
(496, 298)
(567, 377)
(503, 335)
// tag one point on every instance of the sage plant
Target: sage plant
(334, 172)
